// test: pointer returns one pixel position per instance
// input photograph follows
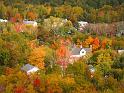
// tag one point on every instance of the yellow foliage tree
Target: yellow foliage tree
(37, 57)
(78, 43)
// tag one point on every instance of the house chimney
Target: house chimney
(91, 47)
(81, 46)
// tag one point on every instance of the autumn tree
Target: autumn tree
(53, 23)
(42, 12)
(79, 43)
(31, 15)
(15, 50)
(76, 13)
(37, 57)
(20, 82)
(69, 12)
(11, 12)
(78, 71)
(106, 43)
(54, 28)
(18, 17)
(88, 41)
(63, 55)
(119, 62)
(93, 15)
(107, 9)
(96, 44)
(3, 10)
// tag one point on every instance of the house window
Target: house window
(82, 51)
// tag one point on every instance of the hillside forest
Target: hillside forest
(61, 46)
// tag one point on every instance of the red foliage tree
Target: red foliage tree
(13, 19)
(19, 89)
(37, 82)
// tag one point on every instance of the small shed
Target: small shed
(29, 68)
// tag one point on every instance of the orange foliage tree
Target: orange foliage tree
(62, 52)
(8, 71)
(18, 17)
(89, 41)
(103, 43)
(32, 44)
(37, 57)
(92, 41)
(96, 44)
(31, 15)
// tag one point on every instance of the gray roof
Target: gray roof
(88, 49)
(27, 67)
(76, 51)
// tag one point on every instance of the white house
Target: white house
(77, 53)
(3, 20)
(82, 25)
(29, 68)
(33, 23)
